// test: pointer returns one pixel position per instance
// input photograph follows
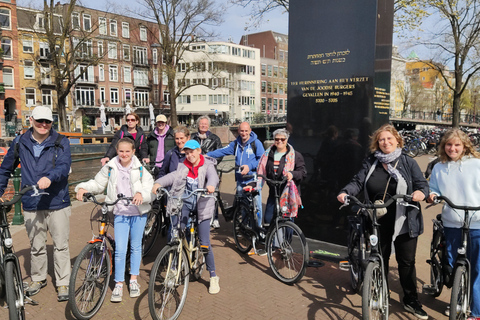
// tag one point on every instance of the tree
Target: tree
(456, 37)
(181, 22)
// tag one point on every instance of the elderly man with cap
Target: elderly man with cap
(159, 141)
(196, 171)
(46, 159)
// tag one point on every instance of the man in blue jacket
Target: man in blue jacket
(247, 150)
(45, 158)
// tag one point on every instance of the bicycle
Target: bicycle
(220, 203)
(286, 245)
(93, 267)
(461, 282)
(181, 257)
(11, 283)
(374, 289)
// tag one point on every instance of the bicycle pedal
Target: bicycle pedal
(429, 289)
(344, 265)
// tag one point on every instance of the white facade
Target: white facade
(398, 83)
(222, 79)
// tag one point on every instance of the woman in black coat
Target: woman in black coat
(384, 173)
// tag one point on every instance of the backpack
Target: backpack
(16, 152)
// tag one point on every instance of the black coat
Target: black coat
(141, 150)
(299, 171)
(152, 141)
(412, 174)
(211, 143)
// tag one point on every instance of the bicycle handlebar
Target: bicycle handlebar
(22, 192)
(162, 190)
(90, 196)
(404, 197)
(274, 182)
(437, 199)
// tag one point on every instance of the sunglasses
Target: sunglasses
(43, 121)
(131, 120)
(280, 139)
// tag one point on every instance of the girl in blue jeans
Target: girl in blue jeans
(124, 174)
(457, 177)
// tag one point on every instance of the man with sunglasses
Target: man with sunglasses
(45, 157)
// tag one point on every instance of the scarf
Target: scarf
(289, 163)
(388, 159)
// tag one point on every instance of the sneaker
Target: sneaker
(216, 224)
(117, 294)
(35, 286)
(134, 289)
(62, 293)
(261, 252)
(415, 308)
(214, 286)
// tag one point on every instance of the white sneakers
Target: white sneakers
(214, 285)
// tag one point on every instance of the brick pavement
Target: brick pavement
(248, 287)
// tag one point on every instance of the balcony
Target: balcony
(46, 83)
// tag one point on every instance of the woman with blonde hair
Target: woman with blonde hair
(457, 177)
(386, 172)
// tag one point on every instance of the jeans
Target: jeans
(57, 222)
(128, 227)
(269, 209)
(453, 237)
(257, 199)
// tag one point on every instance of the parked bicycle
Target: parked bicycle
(93, 267)
(285, 244)
(374, 289)
(11, 283)
(181, 257)
(220, 203)
(461, 282)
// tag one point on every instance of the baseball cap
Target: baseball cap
(191, 144)
(161, 117)
(42, 112)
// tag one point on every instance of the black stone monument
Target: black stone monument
(338, 94)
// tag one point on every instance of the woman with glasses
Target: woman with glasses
(133, 131)
(279, 161)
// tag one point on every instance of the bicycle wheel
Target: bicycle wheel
(198, 261)
(89, 280)
(287, 252)
(150, 233)
(436, 272)
(374, 293)
(14, 291)
(355, 259)
(168, 285)
(243, 224)
(459, 300)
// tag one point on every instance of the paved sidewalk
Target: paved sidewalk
(248, 288)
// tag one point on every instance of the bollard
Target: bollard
(17, 217)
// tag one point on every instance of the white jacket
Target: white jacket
(143, 185)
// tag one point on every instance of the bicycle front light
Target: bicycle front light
(8, 242)
(373, 240)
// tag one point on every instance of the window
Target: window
(184, 99)
(126, 52)
(140, 77)
(30, 96)
(128, 95)
(125, 30)
(281, 55)
(82, 49)
(166, 97)
(280, 88)
(275, 87)
(182, 67)
(269, 87)
(275, 71)
(113, 72)
(155, 76)
(127, 74)
(264, 86)
(112, 50)
(76, 20)
(140, 55)
(47, 97)
(218, 98)
(155, 56)
(236, 51)
(155, 95)
(100, 48)
(264, 104)
(285, 105)
(275, 105)
(264, 69)
(28, 69)
(7, 47)
(85, 73)
(269, 68)
(45, 74)
(114, 95)
(102, 95)
(101, 72)
(141, 98)
(113, 31)
(44, 50)
(8, 77)
(85, 96)
(40, 21)
(87, 22)
(102, 25)
(199, 97)
(143, 33)
(28, 44)
(4, 18)
(280, 105)
(280, 72)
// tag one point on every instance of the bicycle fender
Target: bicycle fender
(95, 240)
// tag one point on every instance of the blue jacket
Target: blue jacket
(243, 154)
(33, 170)
(170, 163)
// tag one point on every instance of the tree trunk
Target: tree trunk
(62, 115)
(173, 104)
(456, 110)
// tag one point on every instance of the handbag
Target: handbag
(381, 211)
